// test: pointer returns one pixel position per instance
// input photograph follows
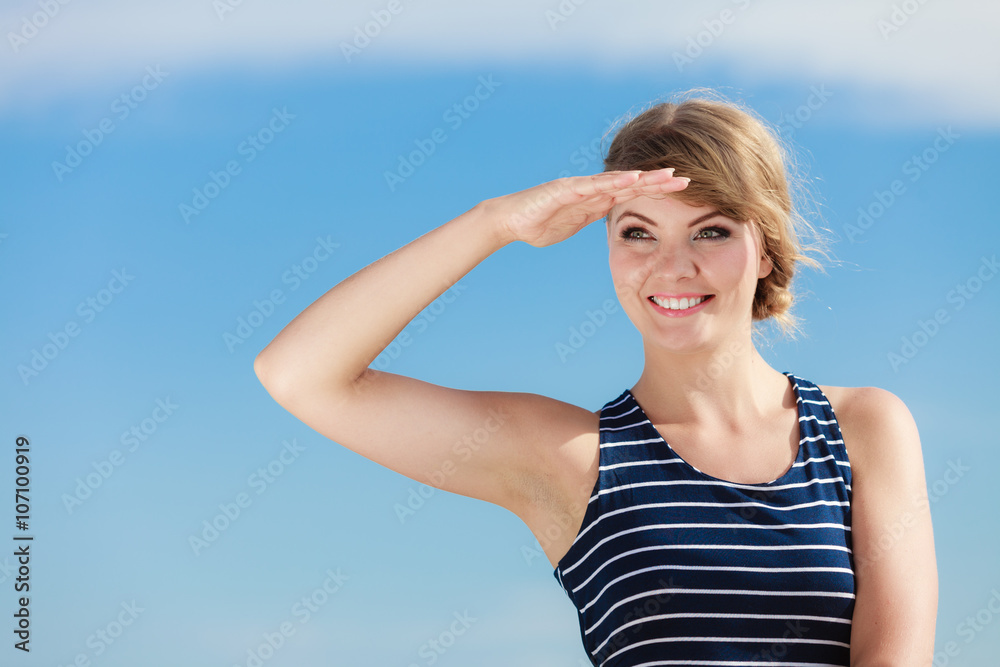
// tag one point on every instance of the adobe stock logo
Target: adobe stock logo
(122, 106)
(31, 26)
(87, 310)
(455, 116)
(962, 293)
(580, 334)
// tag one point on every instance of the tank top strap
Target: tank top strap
(819, 429)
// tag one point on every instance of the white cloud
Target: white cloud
(940, 64)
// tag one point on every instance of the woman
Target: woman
(719, 512)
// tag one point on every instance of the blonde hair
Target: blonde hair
(737, 165)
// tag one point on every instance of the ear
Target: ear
(765, 268)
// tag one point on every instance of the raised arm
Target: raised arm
(317, 366)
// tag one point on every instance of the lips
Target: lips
(681, 302)
(680, 305)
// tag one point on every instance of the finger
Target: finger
(626, 194)
(655, 180)
(673, 184)
(608, 181)
(600, 190)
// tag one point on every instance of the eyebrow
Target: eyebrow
(648, 221)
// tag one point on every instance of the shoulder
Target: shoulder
(892, 538)
(877, 426)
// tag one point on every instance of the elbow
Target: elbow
(264, 370)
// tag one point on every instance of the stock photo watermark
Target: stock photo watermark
(365, 33)
(302, 610)
(417, 326)
(788, 124)
(564, 524)
(712, 29)
(455, 116)
(22, 548)
(135, 436)
(87, 310)
(962, 293)
(914, 167)
(33, 24)
(899, 16)
(919, 503)
(463, 449)
(252, 146)
(562, 12)
(225, 7)
(121, 107)
(230, 512)
(265, 307)
(968, 629)
(107, 635)
(635, 617)
(581, 333)
(587, 154)
(435, 647)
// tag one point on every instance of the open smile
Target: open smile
(679, 306)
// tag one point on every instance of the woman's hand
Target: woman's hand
(552, 212)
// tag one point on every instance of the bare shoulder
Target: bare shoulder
(892, 538)
(876, 424)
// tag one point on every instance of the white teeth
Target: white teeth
(678, 304)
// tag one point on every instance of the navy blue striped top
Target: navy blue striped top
(675, 567)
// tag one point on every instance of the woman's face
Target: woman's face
(702, 267)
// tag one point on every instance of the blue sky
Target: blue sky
(146, 420)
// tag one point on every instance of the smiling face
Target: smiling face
(685, 275)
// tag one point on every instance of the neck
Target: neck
(730, 386)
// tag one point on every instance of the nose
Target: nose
(672, 262)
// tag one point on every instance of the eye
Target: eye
(628, 237)
(713, 233)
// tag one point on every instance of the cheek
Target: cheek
(629, 271)
(738, 263)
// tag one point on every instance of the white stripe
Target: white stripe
(630, 508)
(629, 442)
(812, 460)
(761, 640)
(636, 463)
(619, 401)
(622, 428)
(805, 418)
(755, 487)
(806, 400)
(619, 416)
(798, 464)
(714, 568)
(719, 591)
(746, 547)
(750, 526)
(776, 617)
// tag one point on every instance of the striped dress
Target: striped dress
(675, 567)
